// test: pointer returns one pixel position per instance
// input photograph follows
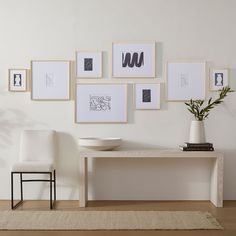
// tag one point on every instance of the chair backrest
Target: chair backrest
(38, 145)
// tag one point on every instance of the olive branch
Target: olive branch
(201, 113)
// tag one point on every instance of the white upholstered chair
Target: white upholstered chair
(37, 156)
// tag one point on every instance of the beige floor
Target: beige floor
(226, 216)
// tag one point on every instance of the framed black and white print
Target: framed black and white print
(88, 64)
(147, 96)
(133, 60)
(17, 80)
(185, 80)
(50, 80)
(101, 103)
(219, 78)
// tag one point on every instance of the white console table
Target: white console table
(216, 185)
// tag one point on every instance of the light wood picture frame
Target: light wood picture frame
(89, 64)
(219, 78)
(133, 59)
(101, 103)
(147, 96)
(50, 80)
(17, 80)
(186, 80)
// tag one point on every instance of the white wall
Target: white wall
(55, 29)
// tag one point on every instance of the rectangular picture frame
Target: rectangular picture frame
(133, 59)
(147, 96)
(219, 78)
(17, 80)
(101, 103)
(50, 80)
(89, 64)
(185, 80)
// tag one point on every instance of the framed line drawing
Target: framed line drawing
(50, 80)
(88, 64)
(135, 60)
(101, 103)
(219, 78)
(185, 80)
(147, 96)
(17, 80)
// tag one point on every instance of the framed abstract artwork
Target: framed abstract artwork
(185, 80)
(147, 96)
(17, 80)
(88, 64)
(219, 78)
(101, 103)
(135, 60)
(50, 80)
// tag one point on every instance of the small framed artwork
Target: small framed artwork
(17, 80)
(219, 78)
(88, 64)
(147, 96)
(133, 60)
(50, 80)
(185, 80)
(101, 103)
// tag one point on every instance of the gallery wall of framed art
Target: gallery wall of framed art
(106, 100)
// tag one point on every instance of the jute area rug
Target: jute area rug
(107, 220)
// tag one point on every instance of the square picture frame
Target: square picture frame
(133, 59)
(185, 80)
(101, 103)
(89, 64)
(147, 96)
(50, 80)
(17, 80)
(219, 78)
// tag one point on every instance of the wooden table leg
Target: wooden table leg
(216, 194)
(83, 181)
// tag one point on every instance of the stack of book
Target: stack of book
(197, 147)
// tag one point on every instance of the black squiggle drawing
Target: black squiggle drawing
(129, 60)
(100, 103)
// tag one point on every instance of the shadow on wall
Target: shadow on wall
(10, 121)
(67, 165)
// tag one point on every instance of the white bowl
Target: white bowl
(100, 144)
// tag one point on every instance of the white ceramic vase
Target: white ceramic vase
(197, 132)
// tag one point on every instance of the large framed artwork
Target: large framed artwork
(147, 96)
(219, 78)
(185, 80)
(88, 64)
(17, 80)
(135, 60)
(101, 103)
(50, 80)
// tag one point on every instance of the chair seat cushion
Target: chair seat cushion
(32, 166)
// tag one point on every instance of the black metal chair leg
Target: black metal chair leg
(12, 196)
(12, 192)
(55, 194)
(50, 190)
(21, 187)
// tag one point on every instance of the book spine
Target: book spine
(203, 145)
(197, 149)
